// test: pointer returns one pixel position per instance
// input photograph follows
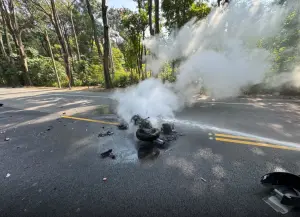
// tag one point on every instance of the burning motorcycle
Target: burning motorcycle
(145, 131)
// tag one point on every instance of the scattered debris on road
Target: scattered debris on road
(167, 129)
(1, 104)
(204, 180)
(6, 139)
(123, 126)
(64, 113)
(49, 128)
(107, 133)
(7, 175)
(104, 179)
(108, 153)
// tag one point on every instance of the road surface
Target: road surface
(51, 165)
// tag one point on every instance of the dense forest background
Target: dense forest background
(65, 43)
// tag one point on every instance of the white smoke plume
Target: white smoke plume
(220, 51)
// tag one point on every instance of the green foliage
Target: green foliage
(42, 73)
(118, 59)
(167, 74)
(179, 12)
(198, 10)
(285, 53)
(124, 79)
(88, 74)
(10, 73)
(31, 52)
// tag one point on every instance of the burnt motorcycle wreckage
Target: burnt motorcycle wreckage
(145, 131)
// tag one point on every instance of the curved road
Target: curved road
(51, 165)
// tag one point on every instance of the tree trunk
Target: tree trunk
(131, 75)
(71, 55)
(145, 54)
(150, 3)
(7, 41)
(108, 82)
(141, 56)
(52, 58)
(75, 37)
(96, 38)
(145, 50)
(2, 49)
(173, 67)
(23, 59)
(12, 24)
(156, 16)
(62, 41)
(111, 60)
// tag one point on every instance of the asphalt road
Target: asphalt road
(51, 165)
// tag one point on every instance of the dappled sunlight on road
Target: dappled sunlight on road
(186, 167)
(40, 107)
(258, 151)
(207, 154)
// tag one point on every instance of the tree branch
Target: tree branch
(38, 5)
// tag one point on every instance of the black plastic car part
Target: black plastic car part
(287, 180)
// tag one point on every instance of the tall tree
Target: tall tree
(108, 82)
(52, 58)
(58, 28)
(75, 35)
(44, 7)
(135, 24)
(156, 16)
(150, 3)
(8, 10)
(2, 48)
(179, 12)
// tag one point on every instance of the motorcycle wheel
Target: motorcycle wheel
(148, 136)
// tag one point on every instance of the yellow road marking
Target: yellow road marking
(91, 120)
(235, 137)
(257, 144)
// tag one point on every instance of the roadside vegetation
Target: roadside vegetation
(67, 43)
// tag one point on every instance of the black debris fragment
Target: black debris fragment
(108, 153)
(203, 180)
(1, 104)
(167, 129)
(159, 142)
(123, 126)
(49, 128)
(107, 133)
(64, 113)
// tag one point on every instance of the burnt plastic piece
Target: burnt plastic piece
(123, 126)
(291, 200)
(106, 154)
(167, 129)
(280, 178)
(136, 119)
(288, 180)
